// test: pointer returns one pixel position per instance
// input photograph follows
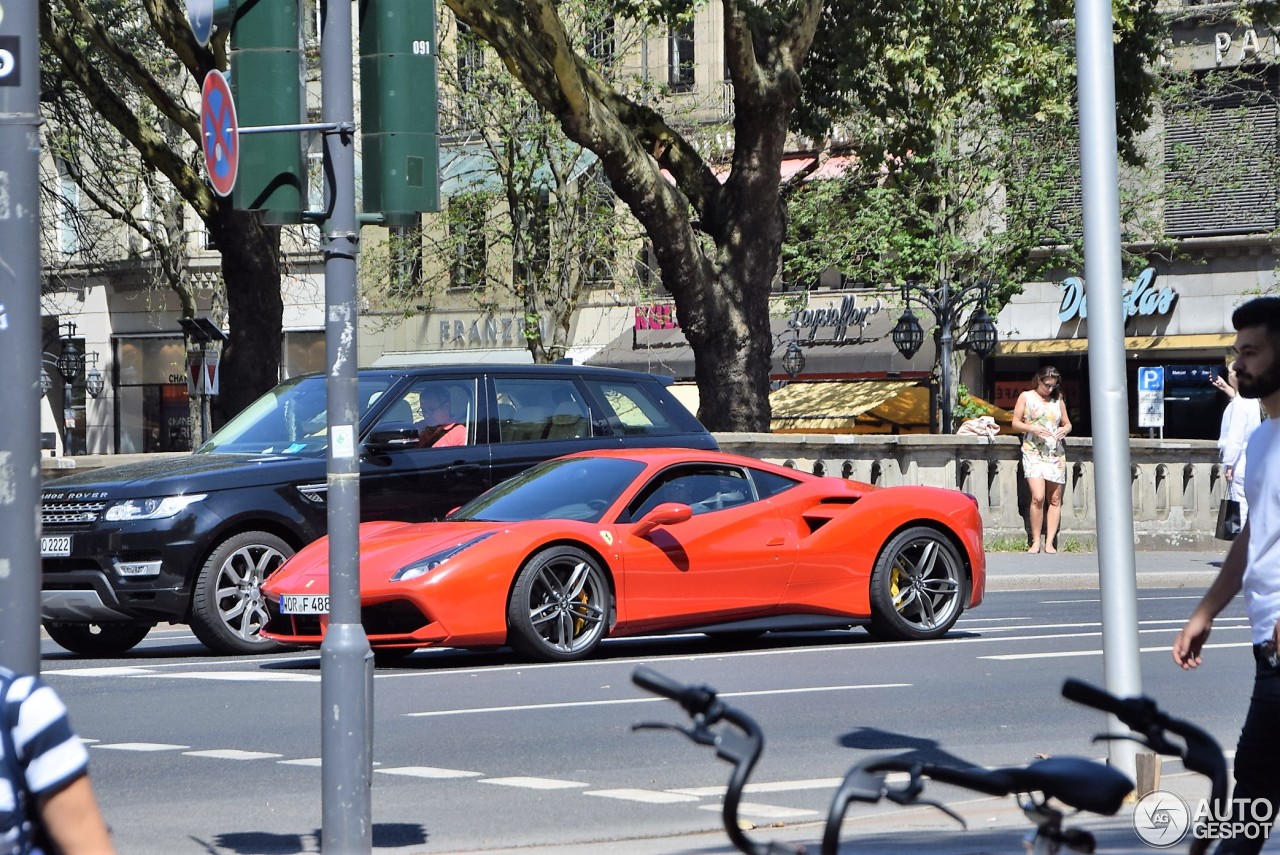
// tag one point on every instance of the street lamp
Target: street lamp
(946, 306)
(70, 364)
(793, 359)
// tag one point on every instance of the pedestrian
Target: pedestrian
(1239, 420)
(1041, 416)
(1252, 565)
(46, 801)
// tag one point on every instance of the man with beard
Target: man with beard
(1252, 565)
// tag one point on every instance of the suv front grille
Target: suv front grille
(67, 512)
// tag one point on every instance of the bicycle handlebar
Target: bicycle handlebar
(741, 748)
(1200, 752)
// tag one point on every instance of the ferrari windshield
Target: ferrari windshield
(569, 488)
(290, 419)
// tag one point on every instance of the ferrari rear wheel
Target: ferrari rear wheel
(559, 606)
(917, 586)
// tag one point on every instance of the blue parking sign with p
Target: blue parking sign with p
(1151, 378)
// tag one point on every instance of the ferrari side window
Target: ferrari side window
(703, 489)
(771, 484)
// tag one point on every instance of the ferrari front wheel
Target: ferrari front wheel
(917, 586)
(559, 606)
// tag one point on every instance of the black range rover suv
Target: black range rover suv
(189, 540)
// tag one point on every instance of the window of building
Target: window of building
(466, 221)
(67, 210)
(601, 42)
(680, 57)
(1219, 157)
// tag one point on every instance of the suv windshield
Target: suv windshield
(570, 488)
(290, 419)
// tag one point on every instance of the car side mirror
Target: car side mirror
(392, 438)
(667, 513)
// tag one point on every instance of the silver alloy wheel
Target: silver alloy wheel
(238, 589)
(565, 605)
(925, 584)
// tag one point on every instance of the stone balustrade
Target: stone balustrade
(1176, 484)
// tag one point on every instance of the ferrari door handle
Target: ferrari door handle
(777, 541)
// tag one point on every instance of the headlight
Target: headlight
(151, 509)
(431, 562)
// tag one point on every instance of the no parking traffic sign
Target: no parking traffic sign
(219, 133)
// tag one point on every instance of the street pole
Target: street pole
(1107, 393)
(946, 317)
(20, 342)
(346, 660)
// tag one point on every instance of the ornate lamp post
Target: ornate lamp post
(946, 305)
(70, 364)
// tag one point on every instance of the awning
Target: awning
(867, 406)
(1196, 341)
(829, 407)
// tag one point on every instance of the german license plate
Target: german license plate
(304, 604)
(56, 546)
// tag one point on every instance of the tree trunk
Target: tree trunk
(255, 310)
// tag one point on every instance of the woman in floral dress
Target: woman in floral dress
(1041, 416)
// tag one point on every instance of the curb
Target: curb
(1196, 579)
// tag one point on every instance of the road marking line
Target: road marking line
(765, 811)
(107, 671)
(1063, 654)
(242, 676)
(430, 772)
(534, 783)
(646, 700)
(231, 754)
(652, 797)
(304, 761)
(769, 787)
(141, 746)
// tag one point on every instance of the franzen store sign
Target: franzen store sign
(1141, 298)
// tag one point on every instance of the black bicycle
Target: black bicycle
(1077, 783)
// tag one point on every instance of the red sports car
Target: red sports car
(640, 541)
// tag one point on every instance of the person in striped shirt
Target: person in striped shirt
(45, 794)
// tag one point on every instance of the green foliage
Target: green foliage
(966, 407)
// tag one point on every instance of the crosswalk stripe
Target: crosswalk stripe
(534, 783)
(653, 797)
(429, 772)
(231, 754)
(1063, 654)
(141, 746)
(759, 811)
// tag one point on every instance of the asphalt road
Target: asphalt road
(203, 754)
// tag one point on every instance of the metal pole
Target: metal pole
(944, 317)
(1107, 394)
(346, 661)
(20, 338)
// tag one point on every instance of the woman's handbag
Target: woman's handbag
(1229, 524)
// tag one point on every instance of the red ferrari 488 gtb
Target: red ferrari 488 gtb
(640, 541)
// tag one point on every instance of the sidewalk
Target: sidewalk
(1018, 571)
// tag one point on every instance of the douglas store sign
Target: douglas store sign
(1141, 298)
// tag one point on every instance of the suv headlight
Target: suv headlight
(151, 509)
(424, 566)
